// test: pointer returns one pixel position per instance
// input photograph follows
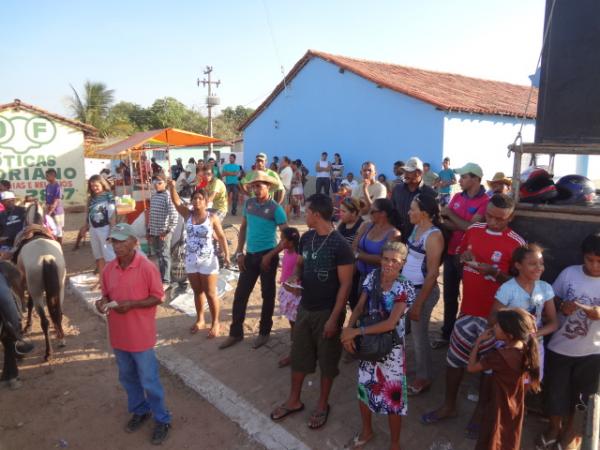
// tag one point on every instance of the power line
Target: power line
(270, 27)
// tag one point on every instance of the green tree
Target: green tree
(93, 105)
(168, 112)
(226, 125)
(236, 116)
(126, 118)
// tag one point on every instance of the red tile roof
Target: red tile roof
(446, 91)
(88, 130)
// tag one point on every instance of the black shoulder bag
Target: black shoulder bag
(374, 347)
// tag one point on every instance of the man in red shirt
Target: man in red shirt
(486, 251)
(465, 208)
(131, 289)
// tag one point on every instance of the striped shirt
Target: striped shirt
(163, 215)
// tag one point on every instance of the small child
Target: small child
(289, 297)
(343, 192)
(573, 354)
(511, 365)
(54, 207)
(527, 291)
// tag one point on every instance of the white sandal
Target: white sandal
(542, 444)
(357, 443)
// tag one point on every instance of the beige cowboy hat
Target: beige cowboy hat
(259, 176)
(499, 177)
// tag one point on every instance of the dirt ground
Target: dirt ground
(60, 403)
(76, 400)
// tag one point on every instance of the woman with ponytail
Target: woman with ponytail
(512, 365)
(422, 268)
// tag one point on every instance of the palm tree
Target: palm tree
(93, 105)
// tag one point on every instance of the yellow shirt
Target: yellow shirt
(220, 200)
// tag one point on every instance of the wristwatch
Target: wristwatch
(356, 254)
(238, 254)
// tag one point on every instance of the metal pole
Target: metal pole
(131, 173)
(591, 437)
(209, 101)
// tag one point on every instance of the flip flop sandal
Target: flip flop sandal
(440, 343)
(284, 362)
(542, 444)
(431, 418)
(286, 412)
(320, 417)
(357, 443)
(412, 391)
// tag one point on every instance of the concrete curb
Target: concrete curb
(257, 425)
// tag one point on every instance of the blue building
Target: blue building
(383, 112)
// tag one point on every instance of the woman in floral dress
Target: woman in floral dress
(382, 384)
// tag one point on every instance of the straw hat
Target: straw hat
(499, 177)
(262, 177)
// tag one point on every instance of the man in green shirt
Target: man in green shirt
(261, 218)
(429, 176)
(276, 191)
(231, 173)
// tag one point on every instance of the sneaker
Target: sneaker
(136, 422)
(23, 347)
(160, 433)
(260, 340)
(230, 341)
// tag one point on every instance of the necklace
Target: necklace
(312, 245)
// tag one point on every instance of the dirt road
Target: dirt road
(76, 401)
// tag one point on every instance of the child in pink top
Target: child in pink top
(289, 296)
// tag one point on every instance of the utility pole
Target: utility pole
(211, 100)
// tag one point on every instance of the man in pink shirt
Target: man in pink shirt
(465, 208)
(131, 289)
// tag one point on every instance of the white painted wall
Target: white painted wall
(483, 140)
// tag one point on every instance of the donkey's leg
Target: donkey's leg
(55, 310)
(45, 325)
(27, 328)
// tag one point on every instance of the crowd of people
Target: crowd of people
(374, 250)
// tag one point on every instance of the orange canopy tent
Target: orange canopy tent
(152, 140)
(171, 137)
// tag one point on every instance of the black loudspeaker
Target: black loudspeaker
(568, 109)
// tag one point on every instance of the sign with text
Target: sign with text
(31, 144)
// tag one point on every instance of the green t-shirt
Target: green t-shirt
(231, 179)
(262, 221)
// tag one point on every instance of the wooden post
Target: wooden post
(516, 178)
(591, 437)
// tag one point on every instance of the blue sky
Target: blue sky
(150, 49)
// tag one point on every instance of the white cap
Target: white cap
(7, 195)
(413, 164)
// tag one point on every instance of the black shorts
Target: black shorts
(569, 380)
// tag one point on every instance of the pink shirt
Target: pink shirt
(466, 207)
(288, 263)
(134, 331)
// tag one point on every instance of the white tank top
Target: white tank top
(323, 164)
(415, 268)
